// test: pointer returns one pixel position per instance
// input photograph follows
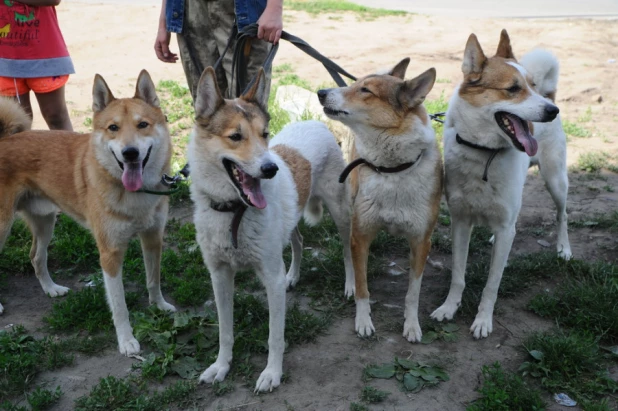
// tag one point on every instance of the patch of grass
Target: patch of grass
(177, 105)
(434, 106)
(505, 391)
(445, 332)
(372, 395)
(593, 161)
(42, 399)
(113, 393)
(600, 221)
(575, 130)
(358, 407)
(336, 6)
(22, 357)
(282, 68)
(571, 363)
(584, 300)
(288, 79)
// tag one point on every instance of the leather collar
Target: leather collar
(377, 169)
(238, 208)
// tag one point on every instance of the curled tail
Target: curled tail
(313, 211)
(544, 68)
(13, 118)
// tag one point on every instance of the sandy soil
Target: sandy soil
(327, 375)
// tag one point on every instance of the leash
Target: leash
(377, 169)
(238, 208)
(494, 152)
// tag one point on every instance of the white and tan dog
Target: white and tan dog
(94, 178)
(500, 120)
(399, 182)
(249, 197)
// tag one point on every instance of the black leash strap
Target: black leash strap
(378, 169)
(494, 152)
(238, 208)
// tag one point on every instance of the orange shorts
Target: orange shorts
(11, 87)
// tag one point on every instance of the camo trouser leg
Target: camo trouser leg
(206, 30)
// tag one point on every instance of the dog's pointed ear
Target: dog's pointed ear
(399, 70)
(257, 90)
(474, 60)
(504, 47)
(145, 89)
(101, 94)
(413, 92)
(208, 96)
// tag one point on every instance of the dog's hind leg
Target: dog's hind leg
(42, 228)
(152, 244)
(554, 172)
(293, 274)
(6, 221)
(223, 287)
(274, 282)
(460, 231)
(483, 323)
(360, 253)
(418, 256)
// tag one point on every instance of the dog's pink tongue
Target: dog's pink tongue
(252, 189)
(524, 137)
(132, 176)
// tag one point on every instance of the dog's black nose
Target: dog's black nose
(551, 111)
(130, 153)
(322, 95)
(269, 170)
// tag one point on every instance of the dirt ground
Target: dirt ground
(326, 375)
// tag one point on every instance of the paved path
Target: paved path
(502, 8)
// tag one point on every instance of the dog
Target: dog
(13, 118)
(500, 120)
(249, 196)
(398, 185)
(95, 179)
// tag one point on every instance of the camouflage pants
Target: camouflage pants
(206, 30)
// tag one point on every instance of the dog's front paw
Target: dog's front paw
(350, 290)
(268, 380)
(482, 325)
(364, 326)
(55, 290)
(565, 254)
(216, 372)
(445, 312)
(412, 330)
(290, 281)
(165, 306)
(129, 346)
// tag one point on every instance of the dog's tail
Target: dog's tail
(544, 68)
(313, 211)
(13, 118)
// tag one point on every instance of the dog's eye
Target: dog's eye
(513, 89)
(365, 90)
(265, 134)
(142, 124)
(113, 127)
(236, 137)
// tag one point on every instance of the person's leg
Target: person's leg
(196, 43)
(54, 109)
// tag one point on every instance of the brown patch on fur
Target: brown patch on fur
(301, 171)
(551, 96)
(493, 85)
(13, 119)
(359, 245)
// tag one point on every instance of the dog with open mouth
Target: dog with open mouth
(97, 179)
(500, 120)
(250, 193)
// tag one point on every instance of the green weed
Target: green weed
(41, 399)
(445, 332)
(358, 407)
(600, 221)
(575, 130)
(505, 391)
(413, 376)
(593, 162)
(571, 363)
(372, 395)
(335, 6)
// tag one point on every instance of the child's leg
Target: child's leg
(54, 109)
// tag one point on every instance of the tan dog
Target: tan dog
(399, 182)
(13, 119)
(94, 178)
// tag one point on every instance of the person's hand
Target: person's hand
(270, 23)
(162, 47)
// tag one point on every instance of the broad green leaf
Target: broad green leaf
(450, 328)
(448, 337)
(537, 355)
(429, 337)
(411, 383)
(407, 364)
(181, 320)
(186, 367)
(382, 371)
(437, 372)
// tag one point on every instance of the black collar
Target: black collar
(377, 169)
(238, 208)
(494, 152)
